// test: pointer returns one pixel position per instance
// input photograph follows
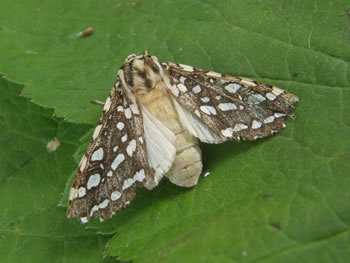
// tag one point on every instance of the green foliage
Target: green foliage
(282, 199)
(32, 227)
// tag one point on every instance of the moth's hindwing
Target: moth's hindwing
(233, 108)
(114, 163)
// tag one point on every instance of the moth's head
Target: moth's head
(141, 72)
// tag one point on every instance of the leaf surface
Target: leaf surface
(282, 199)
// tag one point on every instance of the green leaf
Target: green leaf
(283, 199)
(32, 227)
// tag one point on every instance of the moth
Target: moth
(152, 121)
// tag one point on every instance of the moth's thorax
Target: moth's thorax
(142, 73)
(158, 102)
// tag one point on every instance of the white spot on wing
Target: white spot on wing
(248, 82)
(115, 195)
(208, 109)
(97, 155)
(73, 193)
(104, 204)
(93, 181)
(239, 126)
(174, 90)
(93, 210)
(107, 105)
(127, 113)
(186, 67)
(127, 183)
(140, 139)
(115, 148)
(120, 108)
(269, 119)
(110, 173)
(182, 79)
(232, 87)
(256, 99)
(277, 91)
(140, 175)
(256, 124)
(124, 138)
(83, 163)
(279, 115)
(196, 89)
(81, 191)
(117, 161)
(83, 220)
(218, 97)
(96, 131)
(205, 99)
(120, 125)
(214, 74)
(270, 96)
(227, 106)
(182, 87)
(197, 113)
(131, 147)
(227, 132)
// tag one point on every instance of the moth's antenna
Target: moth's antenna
(146, 52)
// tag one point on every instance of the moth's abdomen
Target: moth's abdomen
(187, 165)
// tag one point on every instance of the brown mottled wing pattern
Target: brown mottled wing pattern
(234, 108)
(115, 162)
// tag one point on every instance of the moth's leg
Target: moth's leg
(97, 102)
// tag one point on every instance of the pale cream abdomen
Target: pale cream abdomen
(187, 165)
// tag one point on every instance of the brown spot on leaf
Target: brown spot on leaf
(276, 225)
(266, 196)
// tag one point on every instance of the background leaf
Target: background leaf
(283, 199)
(32, 227)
